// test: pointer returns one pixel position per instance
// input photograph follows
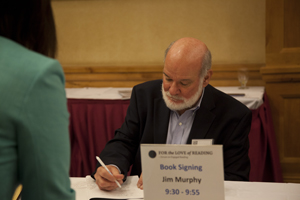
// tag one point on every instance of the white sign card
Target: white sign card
(202, 142)
(182, 172)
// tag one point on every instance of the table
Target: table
(95, 113)
(234, 190)
(252, 97)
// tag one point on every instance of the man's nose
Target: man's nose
(174, 89)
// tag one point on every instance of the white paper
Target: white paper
(236, 190)
(129, 189)
(79, 185)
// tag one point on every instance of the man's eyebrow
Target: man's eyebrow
(189, 80)
(166, 74)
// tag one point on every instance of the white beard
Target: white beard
(187, 103)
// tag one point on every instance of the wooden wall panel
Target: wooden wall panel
(284, 98)
(291, 107)
(282, 77)
(282, 32)
(291, 24)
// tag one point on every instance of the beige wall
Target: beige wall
(136, 32)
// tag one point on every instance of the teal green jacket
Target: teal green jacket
(34, 137)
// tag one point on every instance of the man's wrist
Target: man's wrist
(116, 167)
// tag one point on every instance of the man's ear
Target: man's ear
(207, 78)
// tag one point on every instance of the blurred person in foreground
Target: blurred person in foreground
(180, 107)
(34, 138)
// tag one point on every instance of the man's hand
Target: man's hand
(140, 182)
(105, 181)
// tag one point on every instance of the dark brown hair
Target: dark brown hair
(29, 23)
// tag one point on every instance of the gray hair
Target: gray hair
(167, 50)
(206, 63)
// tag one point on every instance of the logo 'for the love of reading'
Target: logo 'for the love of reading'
(152, 154)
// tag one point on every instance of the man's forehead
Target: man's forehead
(180, 76)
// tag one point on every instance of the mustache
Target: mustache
(175, 97)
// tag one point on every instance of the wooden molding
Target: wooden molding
(113, 76)
(111, 69)
(128, 76)
(281, 73)
(226, 75)
(292, 178)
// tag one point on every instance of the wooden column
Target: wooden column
(282, 77)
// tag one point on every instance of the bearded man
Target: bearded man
(180, 107)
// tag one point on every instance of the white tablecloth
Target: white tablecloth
(97, 93)
(253, 96)
(234, 190)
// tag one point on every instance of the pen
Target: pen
(103, 165)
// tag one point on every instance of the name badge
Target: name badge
(182, 172)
